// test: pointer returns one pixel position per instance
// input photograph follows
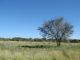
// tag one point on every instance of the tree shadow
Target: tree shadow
(36, 46)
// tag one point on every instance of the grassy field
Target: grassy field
(22, 50)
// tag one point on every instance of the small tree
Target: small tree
(56, 29)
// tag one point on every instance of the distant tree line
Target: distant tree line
(38, 39)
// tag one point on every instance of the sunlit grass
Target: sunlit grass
(23, 50)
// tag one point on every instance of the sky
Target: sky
(21, 18)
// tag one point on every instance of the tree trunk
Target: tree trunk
(58, 43)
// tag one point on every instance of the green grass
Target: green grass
(21, 50)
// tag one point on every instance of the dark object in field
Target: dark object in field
(37, 46)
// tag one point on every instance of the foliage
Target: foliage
(56, 29)
(38, 40)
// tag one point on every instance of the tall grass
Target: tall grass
(14, 50)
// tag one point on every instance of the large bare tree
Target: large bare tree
(56, 29)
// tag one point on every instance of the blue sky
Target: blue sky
(21, 18)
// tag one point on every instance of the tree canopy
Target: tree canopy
(57, 29)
